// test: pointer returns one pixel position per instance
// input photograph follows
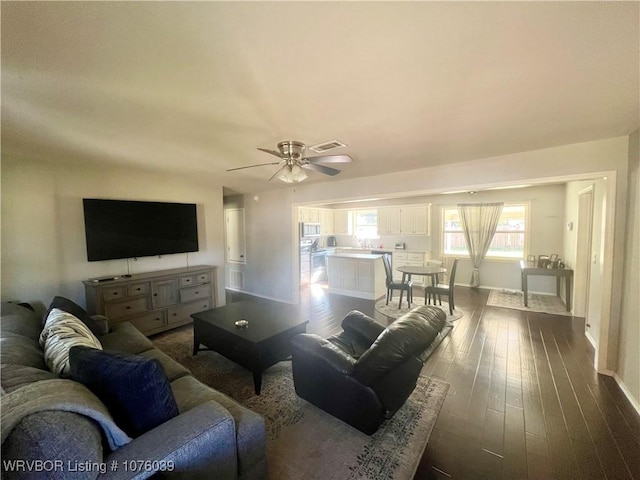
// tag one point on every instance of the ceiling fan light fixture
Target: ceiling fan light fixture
(292, 174)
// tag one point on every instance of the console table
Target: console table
(153, 301)
(559, 273)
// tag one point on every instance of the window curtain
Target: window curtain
(479, 224)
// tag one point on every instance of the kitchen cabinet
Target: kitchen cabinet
(404, 220)
(415, 259)
(326, 222)
(389, 220)
(414, 220)
(356, 275)
(309, 215)
(341, 222)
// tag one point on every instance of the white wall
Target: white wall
(628, 371)
(43, 243)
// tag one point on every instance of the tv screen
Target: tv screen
(127, 229)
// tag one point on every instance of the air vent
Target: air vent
(326, 146)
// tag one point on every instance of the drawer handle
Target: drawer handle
(175, 314)
(128, 307)
(114, 293)
(197, 293)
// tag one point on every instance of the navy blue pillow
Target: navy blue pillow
(135, 389)
(76, 310)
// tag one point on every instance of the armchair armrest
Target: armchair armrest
(363, 327)
(200, 443)
(320, 351)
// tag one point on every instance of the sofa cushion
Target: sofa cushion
(53, 436)
(61, 331)
(18, 350)
(15, 376)
(172, 369)
(66, 305)
(135, 389)
(124, 337)
(20, 320)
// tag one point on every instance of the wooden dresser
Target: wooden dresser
(153, 301)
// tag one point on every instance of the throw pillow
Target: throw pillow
(62, 331)
(66, 305)
(135, 389)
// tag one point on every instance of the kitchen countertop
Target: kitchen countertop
(362, 256)
(383, 249)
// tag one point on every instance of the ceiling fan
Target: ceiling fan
(293, 162)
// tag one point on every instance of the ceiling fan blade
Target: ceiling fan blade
(321, 169)
(278, 172)
(251, 166)
(330, 159)
(272, 152)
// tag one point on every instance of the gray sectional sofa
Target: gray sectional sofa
(212, 437)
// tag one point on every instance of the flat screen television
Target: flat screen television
(128, 229)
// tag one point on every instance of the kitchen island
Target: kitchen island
(358, 275)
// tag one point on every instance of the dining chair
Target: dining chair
(393, 285)
(438, 290)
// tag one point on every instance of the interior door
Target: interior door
(235, 235)
(582, 271)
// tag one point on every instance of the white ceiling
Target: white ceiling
(197, 87)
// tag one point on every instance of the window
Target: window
(365, 223)
(508, 241)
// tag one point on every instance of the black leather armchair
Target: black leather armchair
(364, 374)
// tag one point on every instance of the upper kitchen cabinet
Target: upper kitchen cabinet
(341, 222)
(310, 215)
(389, 220)
(415, 220)
(404, 220)
(326, 222)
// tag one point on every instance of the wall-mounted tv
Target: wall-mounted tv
(128, 229)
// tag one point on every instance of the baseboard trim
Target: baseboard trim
(259, 296)
(634, 403)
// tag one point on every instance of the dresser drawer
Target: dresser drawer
(182, 313)
(195, 293)
(415, 257)
(129, 307)
(137, 289)
(113, 293)
(195, 279)
(151, 321)
(187, 280)
(203, 277)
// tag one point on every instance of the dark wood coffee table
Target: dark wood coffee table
(263, 343)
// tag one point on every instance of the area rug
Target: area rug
(304, 442)
(392, 310)
(537, 303)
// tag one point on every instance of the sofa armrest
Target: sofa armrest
(101, 323)
(363, 327)
(322, 352)
(200, 443)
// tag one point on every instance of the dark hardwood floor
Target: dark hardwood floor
(525, 401)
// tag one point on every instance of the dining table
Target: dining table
(431, 271)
